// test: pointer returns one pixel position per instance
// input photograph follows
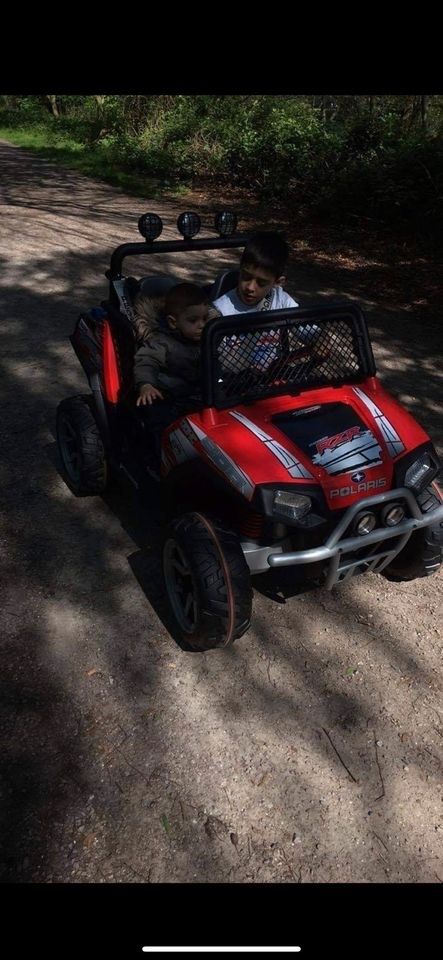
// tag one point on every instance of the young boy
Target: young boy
(167, 365)
(261, 277)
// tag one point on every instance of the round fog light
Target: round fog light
(225, 223)
(188, 224)
(365, 523)
(150, 226)
(393, 515)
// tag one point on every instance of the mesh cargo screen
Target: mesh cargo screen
(285, 356)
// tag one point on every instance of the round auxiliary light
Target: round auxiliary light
(392, 514)
(365, 523)
(188, 224)
(150, 226)
(225, 223)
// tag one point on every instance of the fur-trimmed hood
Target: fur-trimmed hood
(149, 315)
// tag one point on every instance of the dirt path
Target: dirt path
(311, 751)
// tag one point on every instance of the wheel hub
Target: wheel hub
(180, 585)
(69, 449)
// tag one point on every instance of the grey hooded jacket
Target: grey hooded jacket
(164, 357)
(168, 361)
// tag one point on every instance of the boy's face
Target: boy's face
(190, 322)
(255, 283)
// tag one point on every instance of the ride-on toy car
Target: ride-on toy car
(294, 454)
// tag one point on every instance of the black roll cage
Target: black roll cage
(149, 247)
(258, 321)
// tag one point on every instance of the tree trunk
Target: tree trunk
(53, 105)
(100, 101)
(323, 109)
(424, 112)
(11, 102)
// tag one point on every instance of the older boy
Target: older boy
(260, 287)
(261, 279)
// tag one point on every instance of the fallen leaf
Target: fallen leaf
(165, 823)
(88, 840)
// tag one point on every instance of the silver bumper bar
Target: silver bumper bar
(337, 545)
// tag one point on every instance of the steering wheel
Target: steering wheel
(248, 378)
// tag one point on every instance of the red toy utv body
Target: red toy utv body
(293, 455)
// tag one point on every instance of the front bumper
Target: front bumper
(383, 543)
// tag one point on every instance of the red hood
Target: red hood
(346, 439)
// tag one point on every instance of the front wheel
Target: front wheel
(207, 582)
(422, 555)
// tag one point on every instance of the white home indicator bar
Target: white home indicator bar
(221, 949)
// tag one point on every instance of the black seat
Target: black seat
(157, 286)
(226, 281)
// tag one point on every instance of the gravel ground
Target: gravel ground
(309, 752)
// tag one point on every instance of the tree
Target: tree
(53, 104)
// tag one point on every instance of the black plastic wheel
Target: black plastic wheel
(81, 447)
(207, 581)
(423, 553)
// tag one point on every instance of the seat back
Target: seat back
(226, 281)
(123, 333)
(157, 286)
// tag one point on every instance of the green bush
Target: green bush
(341, 155)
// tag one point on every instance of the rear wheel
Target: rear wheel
(207, 582)
(81, 447)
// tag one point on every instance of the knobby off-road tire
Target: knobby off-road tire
(207, 581)
(81, 447)
(423, 553)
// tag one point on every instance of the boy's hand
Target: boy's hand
(148, 393)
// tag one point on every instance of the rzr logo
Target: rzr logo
(329, 443)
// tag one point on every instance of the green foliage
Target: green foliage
(345, 155)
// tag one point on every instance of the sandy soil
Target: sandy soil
(310, 751)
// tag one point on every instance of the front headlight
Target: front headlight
(290, 505)
(417, 474)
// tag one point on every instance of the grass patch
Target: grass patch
(94, 161)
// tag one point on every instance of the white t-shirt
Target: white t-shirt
(230, 302)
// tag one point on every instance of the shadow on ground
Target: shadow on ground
(105, 764)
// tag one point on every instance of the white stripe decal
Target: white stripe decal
(196, 429)
(119, 287)
(390, 436)
(224, 462)
(292, 465)
(181, 446)
(250, 425)
(376, 412)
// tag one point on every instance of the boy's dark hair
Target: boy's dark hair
(182, 296)
(268, 250)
